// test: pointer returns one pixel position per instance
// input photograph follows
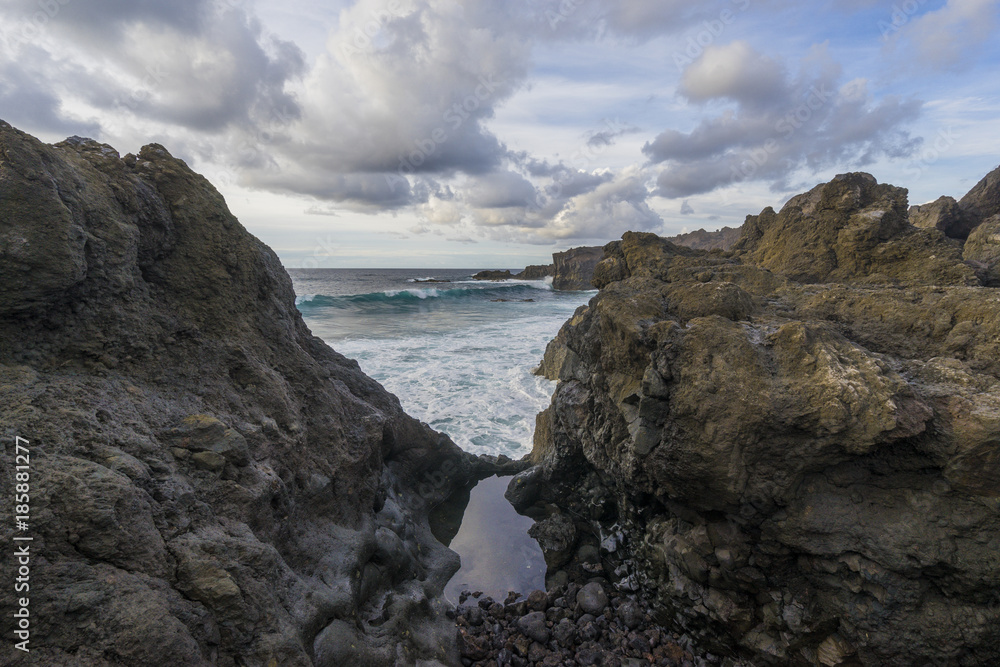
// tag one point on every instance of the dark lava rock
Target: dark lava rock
(214, 484)
(493, 275)
(574, 268)
(536, 272)
(556, 535)
(538, 601)
(592, 599)
(533, 625)
(630, 614)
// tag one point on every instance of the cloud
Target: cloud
(947, 38)
(735, 72)
(27, 100)
(806, 121)
(504, 189)
(198, 65)
(607, 137)
(686, 208)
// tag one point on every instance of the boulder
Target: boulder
(982, 251)
(983, 200)
(945, 215)
(852, 229)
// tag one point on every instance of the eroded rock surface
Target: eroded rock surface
(574, 268)
(796, 446)
(210, 483)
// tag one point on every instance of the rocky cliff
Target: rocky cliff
(209, 483)
(721, 239)
(574, 268)
(793, 447)
(536, 272)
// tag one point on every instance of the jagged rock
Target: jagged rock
(493, 275)
(574, 268)
(806, 473)
(211, 484)
(851, 229)
(983, 200)
(982, 251)
(720, 239)
(945, 215)
(557, 536)
(536, 272)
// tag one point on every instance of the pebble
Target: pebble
(592, 598)
(595, 624)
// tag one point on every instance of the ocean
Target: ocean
(459, 356)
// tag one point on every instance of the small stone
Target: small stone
(472, 647)
(536, 652)
(533, 625)
(474, 616)
(564, 633)
(592, 598)
(538, 601)
(630, 614)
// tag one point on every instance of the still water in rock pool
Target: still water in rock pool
(459, 355)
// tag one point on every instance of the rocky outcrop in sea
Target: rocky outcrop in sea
(793, 448)
(574, 268)
(210, 484)
(721, 239)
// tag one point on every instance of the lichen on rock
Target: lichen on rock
(795, 444)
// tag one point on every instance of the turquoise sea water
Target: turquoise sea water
(458, 354)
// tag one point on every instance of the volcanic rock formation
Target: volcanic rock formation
(796, 445)
(210, 483)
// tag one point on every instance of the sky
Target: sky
(435, 133)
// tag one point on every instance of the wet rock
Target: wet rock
(556, 535)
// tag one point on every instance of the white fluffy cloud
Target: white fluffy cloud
(399, 111)
(946, 38)
(780, 123)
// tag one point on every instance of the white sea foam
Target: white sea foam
(475, 385)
